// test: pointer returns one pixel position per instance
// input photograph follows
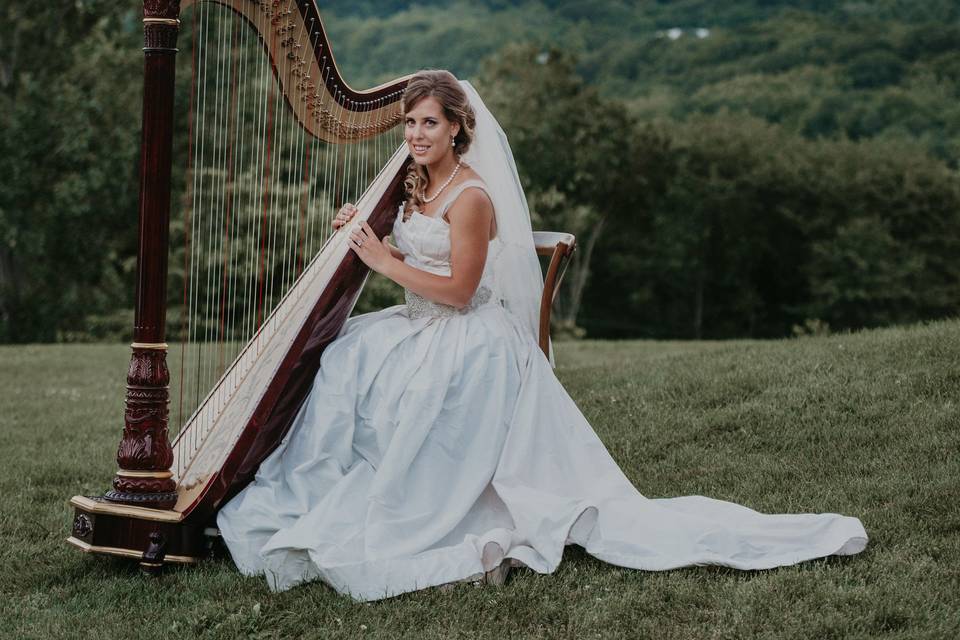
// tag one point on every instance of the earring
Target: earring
(453, 142)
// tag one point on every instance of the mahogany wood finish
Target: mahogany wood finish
(145, 447)
(116, 533)
(336, 85)
(559, 246)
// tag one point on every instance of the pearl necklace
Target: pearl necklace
(453, 175)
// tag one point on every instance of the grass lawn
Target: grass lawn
(866, 424)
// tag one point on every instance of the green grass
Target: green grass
(866, 424)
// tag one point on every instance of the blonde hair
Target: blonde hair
(443, 86)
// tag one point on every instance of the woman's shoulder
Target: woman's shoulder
(469, 189)
(472, 203)
(471, 197)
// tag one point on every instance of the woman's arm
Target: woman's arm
(470, 219)
(396, 253)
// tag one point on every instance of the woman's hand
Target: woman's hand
(344, 216)
(374, 253)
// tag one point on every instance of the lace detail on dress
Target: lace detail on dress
(420, 307)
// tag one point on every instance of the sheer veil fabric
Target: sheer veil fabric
(437, 443)
(517, 278)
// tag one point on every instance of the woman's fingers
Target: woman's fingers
(344, 216)
(359, 235)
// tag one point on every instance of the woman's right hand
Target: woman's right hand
(344, 216)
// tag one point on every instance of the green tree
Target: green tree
(863, 277)
(573, 148)
(68, 140)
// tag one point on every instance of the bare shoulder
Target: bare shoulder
(471, 203)
(472, 196)
(472, 209)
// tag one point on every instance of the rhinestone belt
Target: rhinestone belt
(420, 307)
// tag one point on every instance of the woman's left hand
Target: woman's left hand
(373, 252)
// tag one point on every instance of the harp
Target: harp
(271, 142)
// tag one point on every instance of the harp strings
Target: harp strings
(259, 189)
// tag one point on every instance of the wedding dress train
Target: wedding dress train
(437, 443)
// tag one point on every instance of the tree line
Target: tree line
(726, 225)
(794, 169)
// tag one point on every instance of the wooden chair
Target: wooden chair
(559, 247)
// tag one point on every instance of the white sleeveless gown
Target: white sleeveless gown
(436, 444)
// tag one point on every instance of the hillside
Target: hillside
(856, 69)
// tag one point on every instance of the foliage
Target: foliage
(753, 230)
(547, 108)
(793, 161)
(68, 144)
(824, 68)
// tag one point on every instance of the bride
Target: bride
(436, 444)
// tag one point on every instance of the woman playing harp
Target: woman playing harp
(437, 445)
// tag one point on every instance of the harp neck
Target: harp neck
(326, 106)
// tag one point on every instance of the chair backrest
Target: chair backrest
(559, 247)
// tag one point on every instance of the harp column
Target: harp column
(144, 455)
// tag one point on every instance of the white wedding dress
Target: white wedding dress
(437, 443)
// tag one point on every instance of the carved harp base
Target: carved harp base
(154, 537)
(152, 500)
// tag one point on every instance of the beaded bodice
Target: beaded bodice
(425, 243)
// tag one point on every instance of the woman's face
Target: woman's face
(428, 132)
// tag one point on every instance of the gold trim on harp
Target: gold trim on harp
(115, 509)
(173, 22)
(144, 474)
(126, 553)
(160, 346)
